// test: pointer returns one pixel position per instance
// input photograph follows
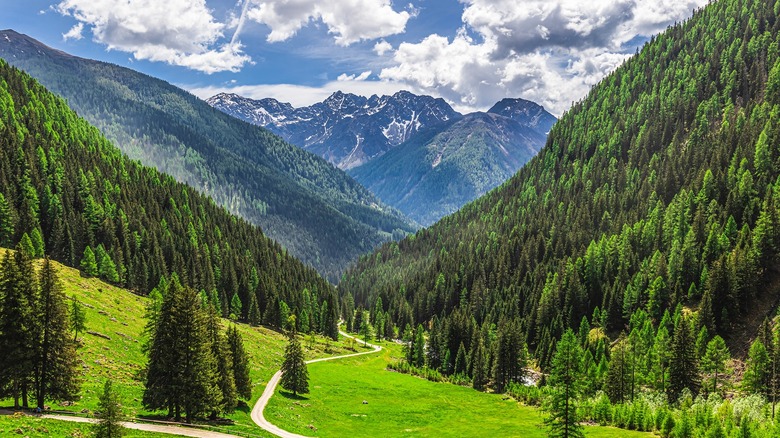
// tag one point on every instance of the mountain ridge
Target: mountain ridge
(316, 211)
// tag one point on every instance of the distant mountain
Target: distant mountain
(316, 211)
(436, 173)
(414, 152)
(527, 113)
(345, 129)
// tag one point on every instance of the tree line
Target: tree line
(83, 203)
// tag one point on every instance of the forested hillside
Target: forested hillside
(657, 192)
(67, 192)
(314, 210)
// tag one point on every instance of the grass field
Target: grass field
(25, 426)
(119, 315)
(400, 404)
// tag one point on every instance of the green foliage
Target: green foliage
(713, 364)
(314, 210)
(240, 363)
(756, 376)
(671, 200)
(295, 375)
(109, 414)
(565, 376)
(125, 223)
(78, 319)
(683, 365)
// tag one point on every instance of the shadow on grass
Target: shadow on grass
(291, 396)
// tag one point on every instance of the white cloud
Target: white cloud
(361, 77)
(179, 32)
(74, 33)
(382, 47)
(551, 52)
(349, 21)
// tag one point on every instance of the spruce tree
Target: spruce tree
(479, 365)
(235, 307)
(618, 384)
(17, 324)
(419, 346)
(756, 377)
(109, 414)
(510, 359)
(565, 381)
(295, 375)
(253, 315)
(88, 263)
(713, 364)
(56, 362)
(240, 363)
(224, 364)
(78, 318)
(683, 366)
(180, 373)
(461, 361)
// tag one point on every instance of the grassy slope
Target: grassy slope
(400, 404)
(118, 314)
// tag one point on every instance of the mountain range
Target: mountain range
(316, 211)
(414, 152)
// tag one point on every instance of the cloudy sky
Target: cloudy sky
(470, 52)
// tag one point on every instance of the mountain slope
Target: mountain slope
(527, 113)
(659, 189)
(69, 192)
(431, 176)
(316, 211)
(345, 129)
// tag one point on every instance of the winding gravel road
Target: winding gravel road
(257, 411)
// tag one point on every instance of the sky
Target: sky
(472, 53)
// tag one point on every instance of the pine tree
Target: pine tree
(756, 377)
(240, 363)
(235, 307)
(295, 376)
(618, 384)
(461, 361)
(17, 324)
(88, 263)
(479, 365)
(109, 414)
(7, 223)
(419, 346)
(713, 364)
(78, 318)
(224, 364)
(180, 373)
(56, 362)
(510, 359)
(253, 314)
(683, 367)
(565, 381)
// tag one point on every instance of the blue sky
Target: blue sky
(470, 52)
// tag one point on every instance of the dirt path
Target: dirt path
(257, 411)
(171, 429)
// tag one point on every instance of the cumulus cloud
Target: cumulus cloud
(551, 52)
(179, 32)
(74, 33)
(382, 47)
(349, 21)
(361, 77)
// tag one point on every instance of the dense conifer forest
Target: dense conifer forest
(70, 194)
(316, 211)
(647, 229)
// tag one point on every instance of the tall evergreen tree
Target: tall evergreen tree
(683, 366)
(618, 384)
(56, 362)
(295, 375)
(17, 324)
(510, 358)
(479, 364)
(756, 377)
(565, 379)
(109, 414)
(180, 373)
(240, 363)
(224, 363)
(89, 264)
(78, 318)
(713, 364)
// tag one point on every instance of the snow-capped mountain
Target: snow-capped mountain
(346, 129)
